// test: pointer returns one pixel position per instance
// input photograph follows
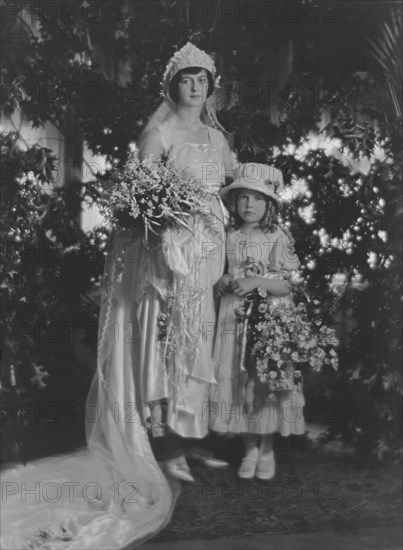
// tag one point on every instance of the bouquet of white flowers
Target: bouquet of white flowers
(152, 195)
(282, 334)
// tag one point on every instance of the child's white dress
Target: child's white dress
(239, 402)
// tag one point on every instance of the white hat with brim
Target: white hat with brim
(257, 177)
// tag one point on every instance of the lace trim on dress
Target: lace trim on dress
(168, 135)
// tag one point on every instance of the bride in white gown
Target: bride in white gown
(114, 492)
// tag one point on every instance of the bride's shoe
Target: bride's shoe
(207, 460)
(178, 469)
(213, 462)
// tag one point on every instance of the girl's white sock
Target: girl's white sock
(251, 450)
(266, 445)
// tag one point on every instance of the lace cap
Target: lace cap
(188, 56)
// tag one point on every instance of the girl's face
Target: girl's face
(192, 89)
(251, 206)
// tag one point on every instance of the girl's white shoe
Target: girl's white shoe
(247, 468)
(266, 467)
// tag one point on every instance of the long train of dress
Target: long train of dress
(113, 493)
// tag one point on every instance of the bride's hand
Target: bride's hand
(224, 285)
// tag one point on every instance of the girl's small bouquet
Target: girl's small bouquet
(278, 334)
(151, 195)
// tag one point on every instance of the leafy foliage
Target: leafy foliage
(49, 271)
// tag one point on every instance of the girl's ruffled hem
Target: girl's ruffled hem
(282, 413)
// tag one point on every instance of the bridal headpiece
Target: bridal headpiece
(188, 56)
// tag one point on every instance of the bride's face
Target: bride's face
(192, 89)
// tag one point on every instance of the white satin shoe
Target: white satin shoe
(206, 460)
(177, 468)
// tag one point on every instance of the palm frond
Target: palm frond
(385, 50)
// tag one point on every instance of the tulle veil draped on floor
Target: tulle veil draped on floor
(111, 493)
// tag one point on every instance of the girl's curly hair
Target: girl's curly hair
(269, 222)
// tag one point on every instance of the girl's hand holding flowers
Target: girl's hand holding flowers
(275, 287)
(245, 285)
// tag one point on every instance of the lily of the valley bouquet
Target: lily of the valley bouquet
(151, 195)
(280, 334)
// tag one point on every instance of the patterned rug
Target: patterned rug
(313, 490)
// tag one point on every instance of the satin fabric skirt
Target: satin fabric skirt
(139, 278)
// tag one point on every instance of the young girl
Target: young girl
(260, 255)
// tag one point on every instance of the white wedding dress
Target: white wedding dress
(113, 493)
